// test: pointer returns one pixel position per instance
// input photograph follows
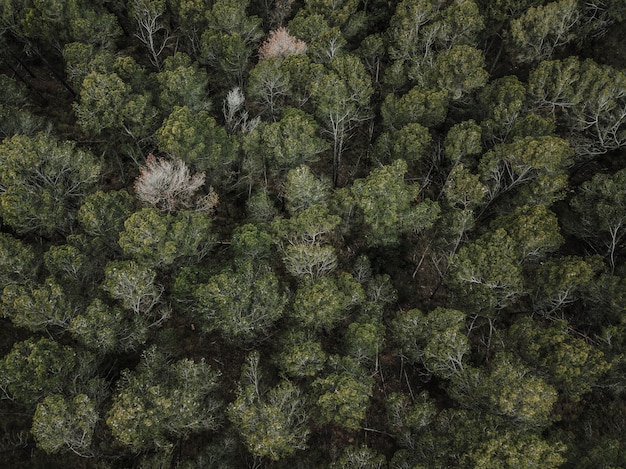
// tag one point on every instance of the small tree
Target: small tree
(280, 44)
(169, 186)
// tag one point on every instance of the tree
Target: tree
(534, 229)
(323, 304)
(230, 38)
(300, 356)
(324, 42)
(437, 340)
(109, 105)
(105, 329)
(182, 83)
(364, 338)
(43, 182)
(151, 30)
(360, 457)
(280, 43)
(422, 106)
(569, 363)
(562, 281)
(591, 99)
(169, 186)
(197, 139)
(251, 243)
(523, 166)
(133, 285)
(268, 86)
(305, 237)
(508, 389)
(35, 368)
(390, 206)
(76, 264)
(273, 422)
(342, 102)
(458, 71)
(62, 424)
(161, 401)
(304, 189)
(241, 303)
(509, 450)
(161, 239)
(540, 30)
(486, 274)
(103, 214)
(40, 307)
(285, 144)
(19, 262)
(342, 396)
(410, 143)
(601, 214)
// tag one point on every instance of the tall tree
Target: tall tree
(273, 422)
(241, 303)
(391, 207)
(161, 401)
(342, 102)
(43, 183)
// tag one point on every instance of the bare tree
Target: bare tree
(151, 31)
(281, 44)
(169, 185)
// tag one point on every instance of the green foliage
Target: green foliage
(61, 424)
(390, 206)
(228, 41)
(436, 340)
(109, 105)
(44, 182)
(459, 71)
(107, 329)
(182, 84)
(251, 243)
(19, 262)
(562, 281)
(486, 274)
(571, 364)
(272, 422)
(304, 189)
(342, 396)
(590, 98)
(34, 369)
(269, 86)
(324, 303)
(285, 144)
(542, 29)
(421, 106)
(241, 303)
(160, 239)
(522, 166)
(299, 356)
(534, 229)
(409, 143)
(162, 401)
(360, 457)
(45, 307)
(508, 389)
(103, 214)
(364, 338)
(526, 451)
(195, 138)
(600, 213)
(133, 284)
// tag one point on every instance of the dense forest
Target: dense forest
(312, 234)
